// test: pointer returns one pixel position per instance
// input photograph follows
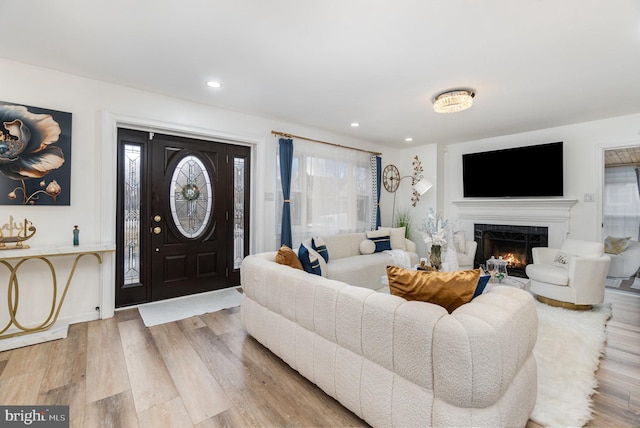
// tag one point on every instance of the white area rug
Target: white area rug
(568, 350)
(189, 306)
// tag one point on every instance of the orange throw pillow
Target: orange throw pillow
(286, 256)
(447, 289)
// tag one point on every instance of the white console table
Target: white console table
(13, 260)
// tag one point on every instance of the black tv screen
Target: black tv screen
(531, 171)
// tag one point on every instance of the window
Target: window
(331, 191)
(621, 202)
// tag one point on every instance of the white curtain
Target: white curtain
(331, 190)
(621, 202)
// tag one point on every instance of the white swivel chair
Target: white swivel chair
(572, 276)
(466, 259)
(465, 250)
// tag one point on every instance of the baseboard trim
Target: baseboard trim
(57, 331)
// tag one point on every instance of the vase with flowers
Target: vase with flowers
(434, 233)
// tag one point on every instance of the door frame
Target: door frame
(167, 246)
(110, 122)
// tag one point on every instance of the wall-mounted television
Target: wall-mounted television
(531, 171)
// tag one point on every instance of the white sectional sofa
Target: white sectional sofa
(394, 362)
(348, 264)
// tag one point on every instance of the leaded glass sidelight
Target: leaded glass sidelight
(131, 214)
(238, 211)
(190, 196)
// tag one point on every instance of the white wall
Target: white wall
(583, 165)
(97, 108)
(428, 156)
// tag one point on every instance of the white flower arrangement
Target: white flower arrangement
(435, 229)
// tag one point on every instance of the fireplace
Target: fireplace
(512, 243)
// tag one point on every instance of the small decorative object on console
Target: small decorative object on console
(21, 234)
(425, 266)
(76, 235)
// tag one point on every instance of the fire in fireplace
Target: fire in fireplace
(512, 243)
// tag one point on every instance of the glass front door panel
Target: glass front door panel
(131, 200)
(190, 196)
(238, 211)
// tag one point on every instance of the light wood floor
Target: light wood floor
(206, 372)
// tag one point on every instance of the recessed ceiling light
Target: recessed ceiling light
(354, 124)
(408, 139)
(213, 84)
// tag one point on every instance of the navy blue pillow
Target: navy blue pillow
(382, 243)
(309, 265)
(320, 248)
(482, 283)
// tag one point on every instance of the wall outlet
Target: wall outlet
(589, 197)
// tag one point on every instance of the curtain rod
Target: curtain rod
(283, 134)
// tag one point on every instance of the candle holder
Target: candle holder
(497, 268)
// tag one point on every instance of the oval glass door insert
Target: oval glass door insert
(190, 196)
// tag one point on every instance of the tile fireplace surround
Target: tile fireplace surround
(551, 213)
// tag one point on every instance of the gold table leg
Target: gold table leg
(13, 296)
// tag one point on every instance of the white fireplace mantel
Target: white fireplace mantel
(550, 212)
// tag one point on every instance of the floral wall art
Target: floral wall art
(35, 155)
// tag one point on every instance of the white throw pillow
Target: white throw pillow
(367, 246)
(561, 259)
(397, 237)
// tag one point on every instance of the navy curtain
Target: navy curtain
(378, 189)
(286, 162)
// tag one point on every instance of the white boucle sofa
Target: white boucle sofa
(348, 264)
(394, 362)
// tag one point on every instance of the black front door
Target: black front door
(188, 216)
(187, 192)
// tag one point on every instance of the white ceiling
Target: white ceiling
(532, 63)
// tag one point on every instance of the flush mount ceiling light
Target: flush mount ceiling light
(213, 84)
(453, 101)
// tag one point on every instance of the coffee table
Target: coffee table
(511, 281)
